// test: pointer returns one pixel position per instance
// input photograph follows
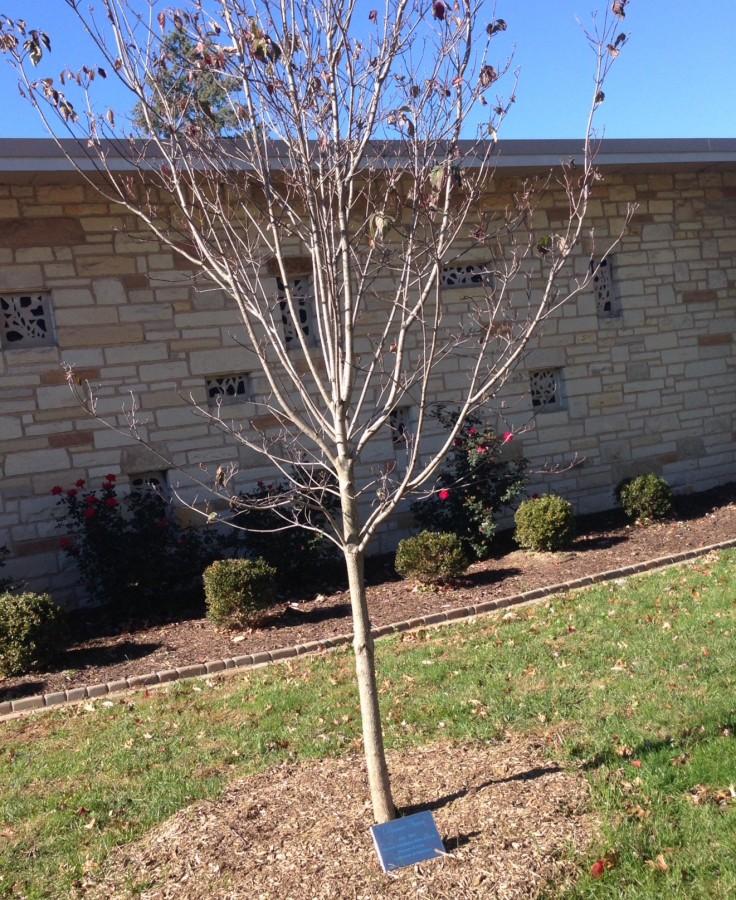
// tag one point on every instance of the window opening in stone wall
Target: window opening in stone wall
(466, 276)
(605, 295)
(545, 386)
(399, 422)
(227, 389)
(303, 295)
(26, 320)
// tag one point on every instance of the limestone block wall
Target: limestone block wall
(653, 386)
(650, 388)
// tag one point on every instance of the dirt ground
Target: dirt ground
(511, 820)
(104, 653)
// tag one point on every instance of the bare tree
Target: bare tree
(363, 162)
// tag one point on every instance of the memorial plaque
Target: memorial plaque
(407, 841)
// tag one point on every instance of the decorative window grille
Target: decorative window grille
(545, 386)
(26, 321)
(303, 295)
(605, 297)
(157, 481)
(466, 276)
(399, 422)
(225, 389)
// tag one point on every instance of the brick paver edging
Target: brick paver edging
(12, 708)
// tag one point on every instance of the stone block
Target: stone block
(84, 315)
(705, 367)
(36, 461)
(10, 428)
(49, 231)
(71, 439)
(702, 296)
(715, 340)
(100, 335)
(690, 447)
(106, 265)
(21, 278)
(143, 352)
(165, 371)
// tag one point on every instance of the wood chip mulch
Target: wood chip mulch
(102, 654)
(511, 820)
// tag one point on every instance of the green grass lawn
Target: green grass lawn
(637, 677)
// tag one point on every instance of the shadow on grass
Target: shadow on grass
(689, 737)
(432, 805)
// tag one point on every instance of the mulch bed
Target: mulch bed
(511, 821)
(104, 653)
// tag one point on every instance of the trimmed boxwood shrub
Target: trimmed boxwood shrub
(646, 498)
(544, 523)
(31, 632)
(238, 591)
(432, 557)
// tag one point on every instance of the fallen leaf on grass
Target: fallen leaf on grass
(702, 793)
(660, 863)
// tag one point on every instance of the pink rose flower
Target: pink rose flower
(508, 436)
(444, 494)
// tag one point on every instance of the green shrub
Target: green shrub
(237, 591)
(474, 486)
(31, 631)
(544, 523)
(646, 498)
(304, 559)
(6, 584)
(432, 557)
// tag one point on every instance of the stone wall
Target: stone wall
(648, 388)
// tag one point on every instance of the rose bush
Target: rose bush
(132, 553)
(474, 486)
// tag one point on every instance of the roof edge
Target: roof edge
(46, 156)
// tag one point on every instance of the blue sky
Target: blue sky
(674, 78)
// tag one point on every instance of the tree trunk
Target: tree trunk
(365, 669)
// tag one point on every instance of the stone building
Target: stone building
(638, 374)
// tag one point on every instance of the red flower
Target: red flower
(112, 478)
(508, 436)
(472, 432)
(81, 483)
(482, 450)
(444, 494)
(65, 543)
(111, 502)
(56, 490)
(72, 492)
(90, 513)
(107, 486)
(90, 499)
